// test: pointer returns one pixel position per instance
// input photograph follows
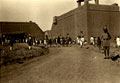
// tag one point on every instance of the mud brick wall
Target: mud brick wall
(90, 19)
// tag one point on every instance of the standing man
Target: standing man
(118, 42)
(30, 42)
(106, 42)
(67, 40)
(50, 42)
(92, 40)
(58, 41)
(11, 43)
(46, 41)
(99, 43)
(82, 39)
(63, 41)
(3, 39)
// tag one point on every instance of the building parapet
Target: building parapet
(112, 8)
(72, 12)
(94, 7)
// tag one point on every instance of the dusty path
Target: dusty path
(66, 65)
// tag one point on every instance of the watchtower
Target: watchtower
(86, 2)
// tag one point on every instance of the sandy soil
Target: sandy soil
(64, 65)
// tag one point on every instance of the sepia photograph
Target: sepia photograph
(59, 41)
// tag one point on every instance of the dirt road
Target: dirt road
(65, 65)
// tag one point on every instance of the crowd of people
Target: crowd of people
(102, 42)
(31, 41)
(58, 41)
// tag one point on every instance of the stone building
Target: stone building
(89, 18)
(21, 28)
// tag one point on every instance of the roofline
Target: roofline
(15, 22)
(88, 4)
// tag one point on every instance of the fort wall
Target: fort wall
(89, 18)
(101, 15)
(72, 22)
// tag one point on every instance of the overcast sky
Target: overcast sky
(39, 11)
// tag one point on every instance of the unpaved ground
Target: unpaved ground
(64, 65)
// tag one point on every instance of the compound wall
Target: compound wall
(90, 19)
(101, 15)
(72, 23)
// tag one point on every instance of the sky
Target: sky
(38, 11)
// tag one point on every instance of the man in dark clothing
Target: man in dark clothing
(3, 39)
(30, 42)
(58, 41)
(11, 44)
(50, 42)
(106, 42)
(70, 40)
(63, 41)
(99, 43)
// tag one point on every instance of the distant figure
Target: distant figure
(78, 40)
(40, 41)
(3, 39)
(26, 40)
(118, 42)
(70, 40)
(53, 41)
(36, 42)
(92, 40)
(82, 39)
(99, 43)
(63, 41)
(67, 39)
(46, 41)
(95, 41)
(30, 42)
(58, 41)
(50, 42)
(11, 44)
(106, 42)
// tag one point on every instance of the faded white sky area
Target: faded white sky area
(39, 11)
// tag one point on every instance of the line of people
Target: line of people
(57, 41)
(102, 42)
